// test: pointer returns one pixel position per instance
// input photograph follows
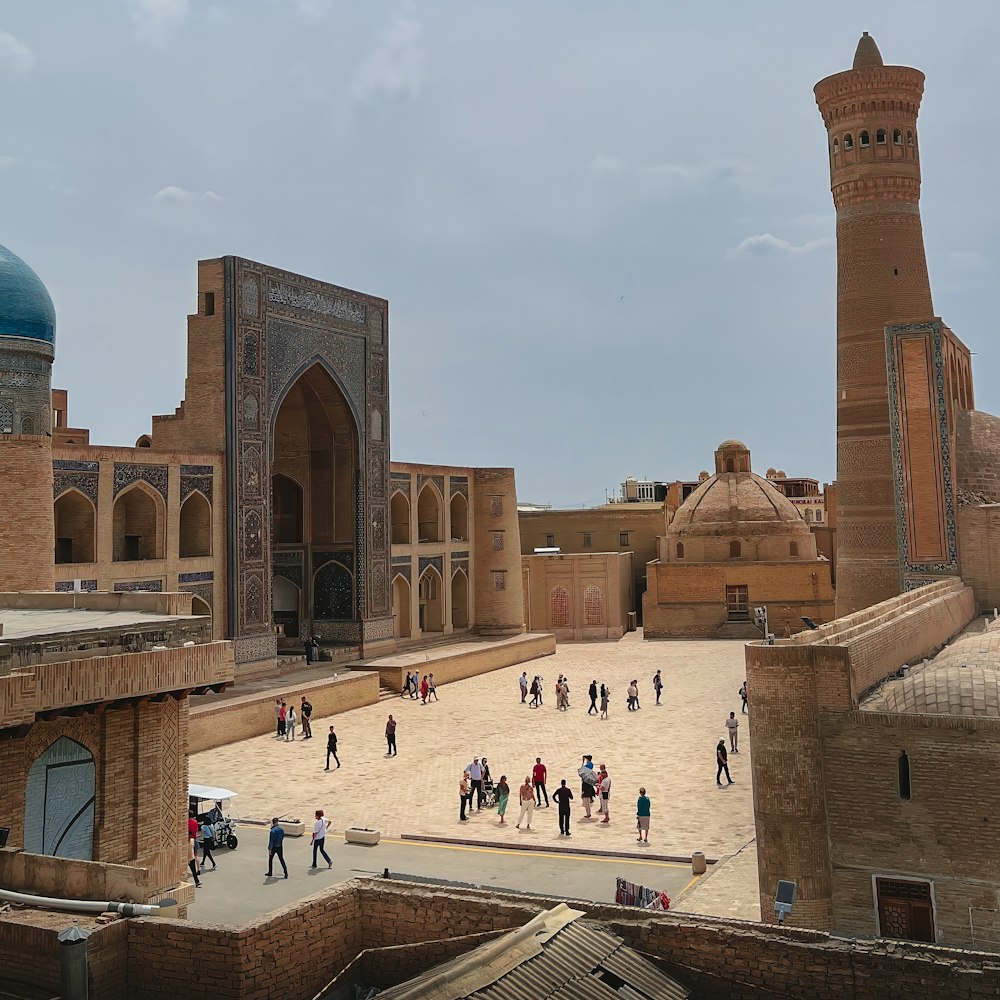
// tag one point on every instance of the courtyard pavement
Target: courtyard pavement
(669, 749)
(239, 890)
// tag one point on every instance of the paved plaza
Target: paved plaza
(239, 890)
(669, 749)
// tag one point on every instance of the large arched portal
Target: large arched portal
(315, 446)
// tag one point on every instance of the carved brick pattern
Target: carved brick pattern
(337, 631)
(139, 586)
(252, 480)
(499, 579)
(253, 590)
(400, 483)
(498, 541)
(866, 536)
(345, 559)
(863, 363)
(863, 493)
(559, 616)
(169, 771)
(85, 482)
(438, 481)
(250, 297)
(403, 571)
(253, 534)
(375, 326)
(593, 606)
(460, 484)
(66, 586)
(863, 456)
(250, 410)
(154, 475)
(496, 506)
(251, 649)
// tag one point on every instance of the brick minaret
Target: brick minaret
(870, 113)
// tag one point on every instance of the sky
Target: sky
(605, 230)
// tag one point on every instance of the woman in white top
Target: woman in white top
(290, 725)
(319, 838)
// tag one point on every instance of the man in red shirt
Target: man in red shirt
(193, 825)
(538, 776)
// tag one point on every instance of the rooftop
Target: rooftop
(39, 623)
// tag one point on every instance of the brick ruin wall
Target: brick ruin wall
(296, 951)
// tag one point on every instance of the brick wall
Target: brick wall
(215, 725)
(979, 552)
(27, 526)
(977, 456)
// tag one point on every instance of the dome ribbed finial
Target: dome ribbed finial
(867, 53)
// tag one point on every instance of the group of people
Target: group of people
(276, 844)
(414, 687)
(533, 690)
(595, 785)
(201, 840)
(733, 729)
(286, 718)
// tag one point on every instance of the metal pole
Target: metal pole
(73, 963)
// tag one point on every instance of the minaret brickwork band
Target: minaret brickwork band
(870, 112)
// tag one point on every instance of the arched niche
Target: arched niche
(459, 516)
(59, 802)
(75, 528)
(401, 607)
(195, 526)
(429, 514)
(459, 599)
(399, 517)
(137, 524)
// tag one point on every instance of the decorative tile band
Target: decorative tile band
(66, 586)
(197, 470)
(65, 465)
(131, 586)
(195, 577)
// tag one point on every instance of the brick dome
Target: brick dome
(736, 514)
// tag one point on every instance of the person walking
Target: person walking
(657, 685)
(282, 719)
(406, 685)
(390, 736)
(605, 698)
(207, 843)
(723, 760)
(541, 687)
(305, 714)
(308, 647)
(464, 796)
(415, 684)
(475, 773)
(538, 775)
(527, 800)
(433, 688)
(522, 683)
(563, 797)
(425, 688)
(642, 817)
(592, 691)
(605, 789)
(503, 794)
(290, 724)
(193, 862)
(743, 696)
(633, 696)
(275, 848)
(319, 838)
(331, 748)
(565, 694)
(535, 694)
(277, 717)
(733, 725)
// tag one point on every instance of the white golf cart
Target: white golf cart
(214, 805)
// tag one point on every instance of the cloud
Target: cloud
(179, 195)
(663, 180)
(393, 72)
(7, 161)
(16, 59)
(764, 243)
(156, 20)
(312, 10)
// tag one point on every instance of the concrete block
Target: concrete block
(293, 829)
(361, 835)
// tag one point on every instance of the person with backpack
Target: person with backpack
(306, 712)
(588, 784)
(207, 843)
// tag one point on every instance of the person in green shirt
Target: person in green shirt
(642, 816)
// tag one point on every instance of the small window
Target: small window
(209, 303)
(864, 140)
(903, 767)
(623, 538)
(836, 146)
(897, 137)
(793, 549)
(819, 516)
(550, 541)
(730, 465)
(909, 138)
(808, 514)
(880, 137)
(848, 141)
(735, 549)
(586, 539)
(680, 550)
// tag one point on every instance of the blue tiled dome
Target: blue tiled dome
(26, 309)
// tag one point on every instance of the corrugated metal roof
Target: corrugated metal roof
(565, 965)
